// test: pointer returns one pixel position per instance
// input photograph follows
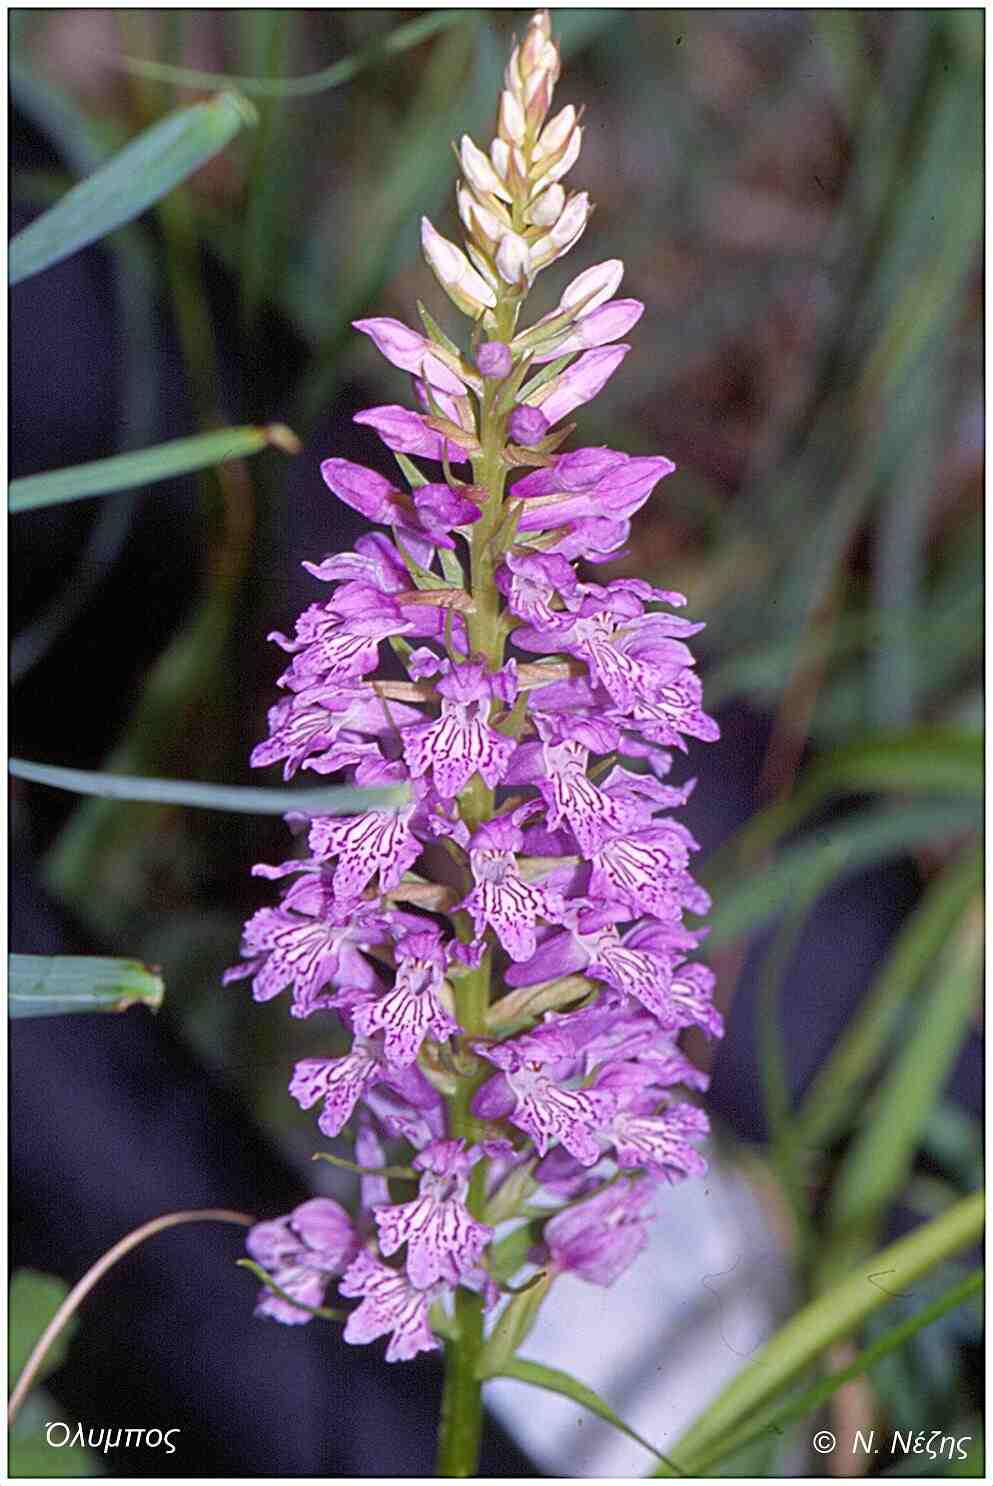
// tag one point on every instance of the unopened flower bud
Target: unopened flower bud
(565, 233)
(483, 225)
(512, 259)
(494, 359)
(479, 172)
(565, 162)
(512, 125)
(500, 155)
(464, 286)
(593, 285)
(527, 425)
(555, 134)
(546, 209)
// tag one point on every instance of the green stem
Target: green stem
(462, 1405)
(461, 1424)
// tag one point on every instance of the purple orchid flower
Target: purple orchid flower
(302, 1252)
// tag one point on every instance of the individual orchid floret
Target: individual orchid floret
(513, 260)
(546, 209)
(302, 1253)
(596, 328)
(310, 948)
(573, 799)
(648, 871)
(600, 1238)
(408, 433)
(380, 842)
(461, 743)
(455, 273)
(443, 1240)
(304, 728)
(501, 899)
(337, 1084)
(532, 583)
(332, 646)
(479, 172)
(534, 1100)
(564, 233)
(412, 352)
(413, 1009)
(579, 383)
(662, 1142)
(391, 1306)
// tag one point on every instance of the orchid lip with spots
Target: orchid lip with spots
(497, 971)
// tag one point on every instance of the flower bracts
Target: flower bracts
(510, 951)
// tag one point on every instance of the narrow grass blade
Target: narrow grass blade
(391, 45)
(832, 1100)
(777, 1419)
(142, 173)
(833, 1315)
(54, 985)
(745, 899)
(243, 798)
(877, 1163)
(918, 761)
(555, 1381)
(146, 466)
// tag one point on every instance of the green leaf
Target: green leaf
(34, 1457)
(146, 466)
(833, 1315)
(878, 1160)
(777, 1418)
(142, 173)
(832, 1100)
(393, 44)
(54, 985)
(243, 798)
(555, 1381)
(32, 1302)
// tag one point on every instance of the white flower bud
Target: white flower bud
(455, 274)
(567, 161)
(573, 220)
(500, 155)
(512, 124)
(512, 259)
(483, 225)
(565, 233)
(512, 72)
(479, 172)
(595, 285)
(546, 209)
(555, 134)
